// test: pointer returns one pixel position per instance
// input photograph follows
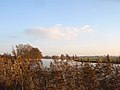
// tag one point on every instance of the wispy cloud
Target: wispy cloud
(15, 37)
(59, 32)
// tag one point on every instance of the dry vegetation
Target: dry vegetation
(23, 71)
(16, 74)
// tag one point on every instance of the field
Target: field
(19, 74)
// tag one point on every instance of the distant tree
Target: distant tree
(26, 52)
(68, 57)
(62, 57)
(55, 57)
(47, 57)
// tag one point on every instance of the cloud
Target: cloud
(86, 28)
(15, 37)
(59, 32)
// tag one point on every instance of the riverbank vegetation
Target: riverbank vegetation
(21, 73)
(91, 59)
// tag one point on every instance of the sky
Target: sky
(81, 27)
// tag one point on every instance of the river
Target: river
(46, 62)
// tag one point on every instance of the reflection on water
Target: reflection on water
(46, 62)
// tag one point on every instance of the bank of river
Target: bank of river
(46, 62)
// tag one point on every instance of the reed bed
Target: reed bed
(19, 74)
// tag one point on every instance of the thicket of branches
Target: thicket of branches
(26, 75)
(25, 71)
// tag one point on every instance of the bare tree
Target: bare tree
(26, 52)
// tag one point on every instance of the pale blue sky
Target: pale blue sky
(82, 27)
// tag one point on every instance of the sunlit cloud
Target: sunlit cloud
(59, 32)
